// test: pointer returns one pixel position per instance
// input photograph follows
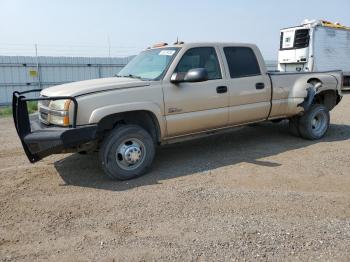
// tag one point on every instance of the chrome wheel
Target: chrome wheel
(130, 154)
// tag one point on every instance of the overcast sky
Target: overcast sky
(88, 28)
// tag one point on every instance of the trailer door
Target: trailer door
(331, 49)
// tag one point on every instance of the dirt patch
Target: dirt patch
(257, 194)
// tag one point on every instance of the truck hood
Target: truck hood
(95, 85)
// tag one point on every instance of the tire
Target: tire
(314, 123)
(127, 152)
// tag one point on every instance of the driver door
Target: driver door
(195, 107)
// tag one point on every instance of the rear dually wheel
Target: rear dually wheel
(313, 124)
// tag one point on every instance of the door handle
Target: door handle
(259, 85)
(221, 89)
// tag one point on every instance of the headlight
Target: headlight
(56, 113)
(61, 105)
(59, 112)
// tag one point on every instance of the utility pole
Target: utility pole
(109, 46)
(37, 66)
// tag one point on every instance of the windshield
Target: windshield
(149, 64)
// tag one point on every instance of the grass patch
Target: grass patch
(32, 106)
(6, 111)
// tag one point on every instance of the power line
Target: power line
(68, 50)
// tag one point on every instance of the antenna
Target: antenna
(178, 42)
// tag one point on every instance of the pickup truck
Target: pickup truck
(171, 93)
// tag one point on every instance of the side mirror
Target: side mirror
(193, 75)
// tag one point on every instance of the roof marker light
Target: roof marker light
(159, 45)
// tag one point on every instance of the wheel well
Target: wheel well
(143, 118)
(314, 80)
(329, 98)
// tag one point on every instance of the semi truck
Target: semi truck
(315, 45)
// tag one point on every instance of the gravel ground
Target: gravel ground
(257, 193)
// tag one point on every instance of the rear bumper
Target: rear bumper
(39, 140)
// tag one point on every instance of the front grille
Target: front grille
(44, 103)
(43, 115)
(43, 106)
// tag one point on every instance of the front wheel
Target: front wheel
(314, 123)
(127, 152)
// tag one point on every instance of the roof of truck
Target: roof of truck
(199, 44)
(324, 23)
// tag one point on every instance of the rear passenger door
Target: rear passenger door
(249, 86)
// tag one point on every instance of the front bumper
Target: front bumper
(39, 140)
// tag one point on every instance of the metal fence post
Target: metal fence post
(38, 66)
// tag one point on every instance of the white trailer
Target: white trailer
(315, 45)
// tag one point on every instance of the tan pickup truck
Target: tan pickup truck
(168, 94)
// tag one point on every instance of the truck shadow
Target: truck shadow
(248, 144)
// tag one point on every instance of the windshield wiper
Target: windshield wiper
(130, 75)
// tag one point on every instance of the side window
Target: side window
(200, 57)
(241, 61)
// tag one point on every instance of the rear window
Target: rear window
(241, 61)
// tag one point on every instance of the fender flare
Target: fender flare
(311, 93)
(98, 114)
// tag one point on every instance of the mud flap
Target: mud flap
(306, 104)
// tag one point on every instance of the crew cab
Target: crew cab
(170, 93)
